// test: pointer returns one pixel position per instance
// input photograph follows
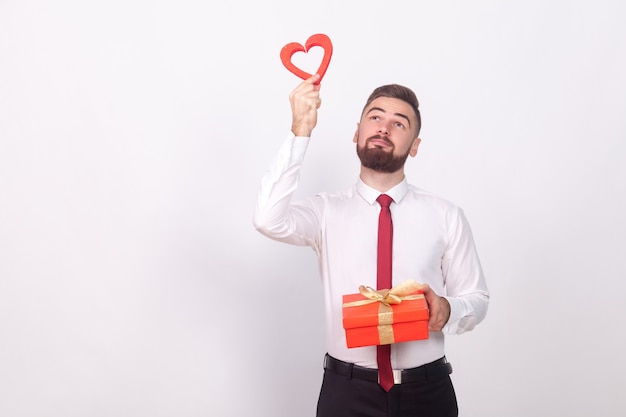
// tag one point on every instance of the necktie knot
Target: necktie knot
(384, 200)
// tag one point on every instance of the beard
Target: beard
(380, 160)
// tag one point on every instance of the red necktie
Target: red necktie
(383, 281)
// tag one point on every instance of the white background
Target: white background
(133, 135)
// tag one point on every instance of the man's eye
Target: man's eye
(375, 118)
(399, 125)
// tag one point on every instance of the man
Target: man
(432, 244)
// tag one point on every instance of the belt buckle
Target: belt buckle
(397, 376)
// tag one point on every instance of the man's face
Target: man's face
(386, 135)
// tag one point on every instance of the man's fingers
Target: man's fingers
(308, 84)
(428, 292)
(306, 89)
(438, 307)
(313, 79)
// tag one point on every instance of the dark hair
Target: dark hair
(400, 92)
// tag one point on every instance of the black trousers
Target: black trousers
(343, 396)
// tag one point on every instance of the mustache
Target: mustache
(380, 137)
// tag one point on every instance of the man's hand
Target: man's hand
(439, 309)
(305, 100)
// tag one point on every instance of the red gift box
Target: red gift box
(383, 317)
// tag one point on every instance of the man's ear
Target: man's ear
(355, 139)
(414, 146)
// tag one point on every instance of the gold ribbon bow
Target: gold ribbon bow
(395, 295)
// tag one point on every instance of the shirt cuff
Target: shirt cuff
(299, 145)
(457, 312)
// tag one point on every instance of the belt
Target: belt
(440, 367)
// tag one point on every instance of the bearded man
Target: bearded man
(430, 242)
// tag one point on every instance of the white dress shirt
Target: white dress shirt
(432, 244)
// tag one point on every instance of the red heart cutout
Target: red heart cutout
(315, 40)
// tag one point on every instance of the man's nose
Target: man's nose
(383, 129)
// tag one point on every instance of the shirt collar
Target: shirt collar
(369, 194)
